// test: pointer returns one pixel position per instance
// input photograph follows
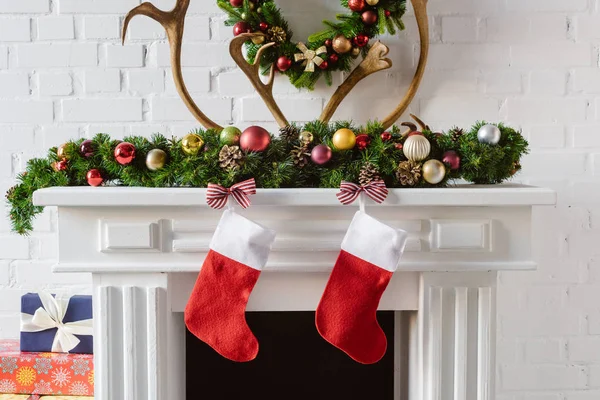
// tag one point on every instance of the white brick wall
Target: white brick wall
(531, 63)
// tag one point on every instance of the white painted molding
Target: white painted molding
(145, 247)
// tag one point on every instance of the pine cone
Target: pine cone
(368, 174)
(300, 154)
(9, 193)
(456, 133)
(409, 173)
(230, 157)
(276, 34)
(289, 133)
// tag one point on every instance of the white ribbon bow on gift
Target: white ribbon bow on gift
(51, 316)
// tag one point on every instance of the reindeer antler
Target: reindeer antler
(173, 21)
(252, 71)
(420, 8)
(375, 61)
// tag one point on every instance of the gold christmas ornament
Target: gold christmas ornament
(260, 39)
(341, 44)
(191, 144)
(417, 148)
(355, 52)
(61, 151)
(156, 159)
(409, 173)
(306, 137)
(372, 2)
(434, 171)
(344, 139)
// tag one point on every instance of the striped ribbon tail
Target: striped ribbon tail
(349, 192)
(217, 195)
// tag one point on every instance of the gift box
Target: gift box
(64, 398)
(18, 397)
(58, 324)
(44, 373)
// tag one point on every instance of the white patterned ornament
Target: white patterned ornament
(417, 148)
(489, 134)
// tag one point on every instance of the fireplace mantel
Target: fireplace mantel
(145, 247)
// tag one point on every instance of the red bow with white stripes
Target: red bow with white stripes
(349, 192)
(217, 195)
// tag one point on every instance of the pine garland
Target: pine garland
(277, 167)
(389, 20)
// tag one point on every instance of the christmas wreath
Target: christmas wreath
(332, 49)
(315, 155)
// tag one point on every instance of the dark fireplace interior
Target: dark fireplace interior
(294, 362)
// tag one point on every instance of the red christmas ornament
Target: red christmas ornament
(452, 159)
(386, 136)
(324, 65)
(94, 177)
(60, 165)
(328, 42)
(399, 146)
(363, 141)
(321, 154)
(124, 153)
(236, 3)
(369, 17)
(241, 27)
(415, 133)
(263, 26)
(255, 139)
(361, 40)
(357, 5)
(87, 148)
(388, 13)
(334, 58)
(284, 63)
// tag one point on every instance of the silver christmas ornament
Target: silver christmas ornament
(489, 134)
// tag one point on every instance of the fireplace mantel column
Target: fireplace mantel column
(145, 247)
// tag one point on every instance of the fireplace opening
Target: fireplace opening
(294, 362)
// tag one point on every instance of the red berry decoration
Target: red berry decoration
(255, 139)
(328, 42)
(60, 165)
(386, 136)
(388, 13)
(236, 3)
(357, 5)
(324, 65)
(284, 63)
(369, 17)
(241, 27)
(399, 146)
(94, 177)
(361, 40)
(87, 148)
(452, 159)
(263, 26)
(124, 153)
(363, 141)
(333, 58)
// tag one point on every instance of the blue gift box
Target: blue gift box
(78, 309)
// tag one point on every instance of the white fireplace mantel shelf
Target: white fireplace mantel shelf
(145, 247)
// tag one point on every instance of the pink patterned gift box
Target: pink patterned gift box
(44, 373)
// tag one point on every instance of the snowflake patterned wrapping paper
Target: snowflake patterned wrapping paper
(44, 373)
(41, 313)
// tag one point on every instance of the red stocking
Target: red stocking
(346, 316)
(215, 312)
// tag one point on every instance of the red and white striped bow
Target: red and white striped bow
(349, 192)
(217, 195)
